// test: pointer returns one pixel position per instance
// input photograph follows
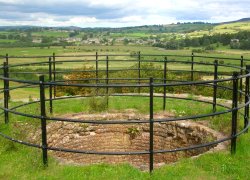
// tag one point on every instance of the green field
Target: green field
(116, 49)
(130, 35)
(119, 51)
(221, 29)
(7, 40)
(50, 34)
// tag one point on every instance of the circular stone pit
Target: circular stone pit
(127, 137)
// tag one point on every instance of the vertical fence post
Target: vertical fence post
(164, 81)
(8, 83)
(107, 79)
(234, 112)
(241, 80)
(246, 113)
(215, 84)
(6, 92)
(139, 71)
(96, 71)
(43, 121)
(54, 73)
(7, 59)
(50, 87)
(151, 126)
(192, 67)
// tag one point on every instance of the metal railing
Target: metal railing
(103, 80)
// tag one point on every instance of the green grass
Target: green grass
(120, 103)
(51, 34)
(221, 29)
(130, 35)
(7, 40)
(21, 162)
(117, 50)
(234, 26)
(25, 163)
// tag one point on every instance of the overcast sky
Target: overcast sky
(119, 13)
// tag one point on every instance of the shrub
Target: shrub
(209, 48)
(198, 50)
(133, 132)
(98, 104)
(221, 62)
(77, 78)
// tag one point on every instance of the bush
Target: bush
(198, 50)
(221, 62)
(209, 48)
(77, 78)
(98, 104)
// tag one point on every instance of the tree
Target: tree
(195, 42)
(3, 36)
(84, 37)
(73, 34)
(245, 44)
(206, 42)
(46, 39)
(125, 41)
(113, 42)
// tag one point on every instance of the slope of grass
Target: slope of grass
(21, 162)
(230, 28)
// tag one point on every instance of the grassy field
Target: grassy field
(234, 26)
(224, 28)
(115, 50)
(130, 35)
(50, 34)
(7, 40)
(21, 162)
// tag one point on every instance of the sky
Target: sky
(119, 13)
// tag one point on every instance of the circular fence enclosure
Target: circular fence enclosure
(144, 140)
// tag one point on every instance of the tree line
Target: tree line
(240, 40)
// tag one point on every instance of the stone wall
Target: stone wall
(125, 138)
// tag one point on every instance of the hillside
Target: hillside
(168, 28)
(172, 36)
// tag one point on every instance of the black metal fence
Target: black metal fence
(239, 79)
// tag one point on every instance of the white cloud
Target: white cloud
(98, 13)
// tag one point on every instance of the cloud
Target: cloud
(96, 13)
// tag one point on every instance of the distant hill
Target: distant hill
(240, 20)
(187, 27)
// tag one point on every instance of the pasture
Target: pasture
(221, 29)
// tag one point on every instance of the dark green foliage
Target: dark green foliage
(74, 33)
(245, 44)
(206, 41)
(77, 78)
